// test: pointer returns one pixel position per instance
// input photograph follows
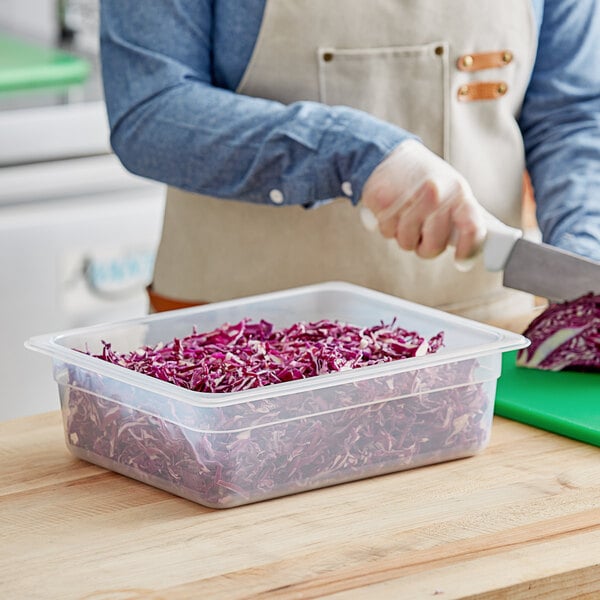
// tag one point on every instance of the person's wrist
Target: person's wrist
(359, 142)
(378, 175)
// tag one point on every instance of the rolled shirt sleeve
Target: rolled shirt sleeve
(176, 118)
(560, 120)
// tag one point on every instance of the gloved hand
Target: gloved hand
(420, 200)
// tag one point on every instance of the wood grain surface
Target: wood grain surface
(520, 520)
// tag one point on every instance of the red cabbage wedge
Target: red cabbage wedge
(566, 336)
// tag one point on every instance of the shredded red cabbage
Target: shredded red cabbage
(247, 355)
(566, 336)
(234, 453)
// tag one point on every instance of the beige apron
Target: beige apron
(398, 60)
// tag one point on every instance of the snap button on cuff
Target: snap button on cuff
(347, 188)
(276, 196)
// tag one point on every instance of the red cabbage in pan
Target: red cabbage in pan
(238, 452)
(247, 355)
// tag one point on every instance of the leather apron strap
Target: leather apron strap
(160, 303)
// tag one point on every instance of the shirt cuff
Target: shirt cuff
(355, 144)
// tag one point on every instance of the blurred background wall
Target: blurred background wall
(78, 234)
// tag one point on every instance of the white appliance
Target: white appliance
(78, 235)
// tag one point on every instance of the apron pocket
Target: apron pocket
(404, 85)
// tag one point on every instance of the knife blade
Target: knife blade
(533, 267)
(536, 267)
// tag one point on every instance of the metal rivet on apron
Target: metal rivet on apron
(276, 196)
(507, 57)
(463, 90)
(439, 50)
(347, 188)
(502, 87)
(467, 61)
(328, 56)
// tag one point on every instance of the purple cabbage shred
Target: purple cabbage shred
(248, 355)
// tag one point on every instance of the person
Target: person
(273, 123)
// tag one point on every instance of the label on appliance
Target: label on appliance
(98, 284)
(118, 274)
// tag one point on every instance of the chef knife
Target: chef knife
(533, 267)
(538, 268)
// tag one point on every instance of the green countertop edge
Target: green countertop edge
(26, 65)
(55, 76)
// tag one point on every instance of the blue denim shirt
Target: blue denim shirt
(171, 68)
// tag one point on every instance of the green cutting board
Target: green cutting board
(564, 402)
(25, 66)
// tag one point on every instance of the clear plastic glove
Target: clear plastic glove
(424, 203)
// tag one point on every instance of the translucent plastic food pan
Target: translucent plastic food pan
(227, 449)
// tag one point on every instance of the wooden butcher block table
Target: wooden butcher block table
(519, 520)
